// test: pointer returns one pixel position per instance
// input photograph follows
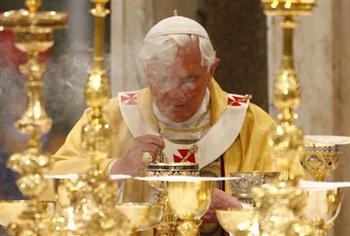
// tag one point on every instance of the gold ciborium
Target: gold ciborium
(141, 216)
(189, 198)
(239, 221)
(243, 182)
(321, 155)
(168, 224)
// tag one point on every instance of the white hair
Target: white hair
(160, 52)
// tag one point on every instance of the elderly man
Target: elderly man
(183, 112)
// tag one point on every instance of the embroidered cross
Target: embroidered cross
(129, 98)
(237, 101)
(186, 155)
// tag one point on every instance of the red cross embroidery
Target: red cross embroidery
(129, 98)
(236, 101)
(185, 153)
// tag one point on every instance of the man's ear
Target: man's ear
(213, 67)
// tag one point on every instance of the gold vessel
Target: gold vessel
(243, 183)
(321, 155)
(239, 221)
(189, 202)
(142, 216)
(168, 224)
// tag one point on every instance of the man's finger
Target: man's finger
(154, 139)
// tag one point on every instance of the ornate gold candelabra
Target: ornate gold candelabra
(33, 31)
(280, 205)
(92, 196)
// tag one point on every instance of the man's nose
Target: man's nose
(177, 95)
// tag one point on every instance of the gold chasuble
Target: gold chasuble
(248, 152)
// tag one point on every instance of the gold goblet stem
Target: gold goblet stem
(189, 227)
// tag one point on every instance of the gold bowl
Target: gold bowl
(189, 201)
(241, 186)
(10, 211)
(322, 204)
(236, 220)
(141, 216)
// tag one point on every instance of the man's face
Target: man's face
(178, 91)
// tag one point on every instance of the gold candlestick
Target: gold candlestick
(280, 205)
(95, 134)
(93, 200)
(33, 33)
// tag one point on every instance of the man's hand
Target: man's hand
(132, 163)
(220, 200)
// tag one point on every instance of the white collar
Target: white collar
(224, 131)
(188, 123)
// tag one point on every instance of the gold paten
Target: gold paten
(33, 34)
(189, 202)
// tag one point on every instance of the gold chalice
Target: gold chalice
(239, 221)
(189, 198)
(322, 154)
(169, 222)
(323, 204)
(10, 211)
(22, 210)
(141, 216)
(243, 182)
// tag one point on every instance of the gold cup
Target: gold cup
(142, 216)
(12, 211)
(189, 202)
(322, 208)
(241, 186)
(320, 159)
(168, 224)
(238, 221)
